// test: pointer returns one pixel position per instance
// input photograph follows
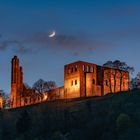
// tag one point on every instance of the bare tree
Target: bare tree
(50, 85)
(135, 82)
(121, 66)
(5, 98)
(109, 73)
(138, 75)
(42, 86)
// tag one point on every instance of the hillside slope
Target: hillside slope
(112, 117)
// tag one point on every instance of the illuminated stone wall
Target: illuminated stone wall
(92, 89)
(16, 83)
(115, 80)
(72, 81)
(20, 95)
(93, 80)
(1, 101)
(81, 79)
(57, 93)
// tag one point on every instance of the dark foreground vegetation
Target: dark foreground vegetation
(112, 117)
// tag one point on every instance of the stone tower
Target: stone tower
(16, 83)
(81, 80)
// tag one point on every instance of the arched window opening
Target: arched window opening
(88, 68)
(72, 70)
(72, 83)
(76, 68)
(106, 83)
(75, 82)
(83, 68)
(93, 81)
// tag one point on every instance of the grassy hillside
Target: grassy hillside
(112, 117)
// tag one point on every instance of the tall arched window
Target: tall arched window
(72, 83)
(88, 68)
(92, 69)
(93, 81)
(75, 82)
(72, 69)
(106, 82)
(68, 70)
(83, 67)
(76, 67)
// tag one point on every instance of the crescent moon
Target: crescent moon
(52, 34)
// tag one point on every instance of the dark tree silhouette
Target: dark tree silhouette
(23, 123)
(42, 86)
(135, 82)
(122, 66)
(117, 64)
(5, 98)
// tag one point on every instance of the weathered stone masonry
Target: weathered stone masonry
(81, 79)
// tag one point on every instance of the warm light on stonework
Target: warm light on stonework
(45, 97)
(81, 79)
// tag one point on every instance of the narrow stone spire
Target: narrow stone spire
(16, 82)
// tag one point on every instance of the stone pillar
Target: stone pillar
(21, 79)
(16, 83)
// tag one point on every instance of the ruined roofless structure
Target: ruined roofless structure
(87, 79)
(20, 94)
(81, 79)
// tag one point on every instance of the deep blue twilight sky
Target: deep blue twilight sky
(88, 30)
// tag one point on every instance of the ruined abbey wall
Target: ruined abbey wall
(115, 80)
(81, 79)
(20, 95)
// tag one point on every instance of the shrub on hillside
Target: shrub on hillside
(23, 124)
(58, 136)
(123, 122)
